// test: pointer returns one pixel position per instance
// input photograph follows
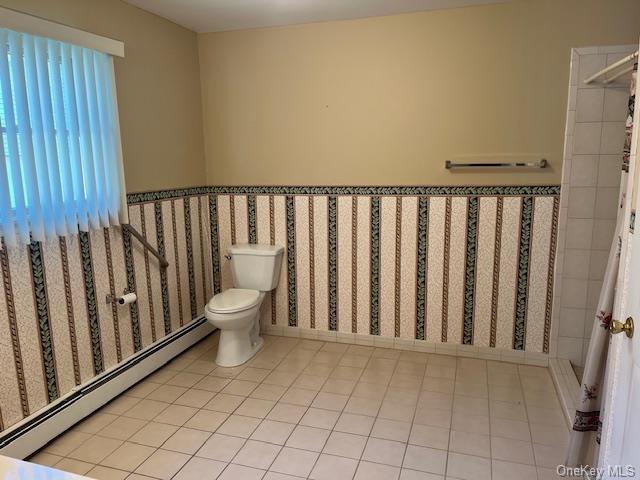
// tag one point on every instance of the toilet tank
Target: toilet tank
(256, 267)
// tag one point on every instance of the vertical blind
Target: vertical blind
(61, 158)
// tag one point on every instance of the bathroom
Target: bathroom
(329, 240)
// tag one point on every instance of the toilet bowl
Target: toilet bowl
(236, 311)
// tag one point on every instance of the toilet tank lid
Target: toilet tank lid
(256, 249)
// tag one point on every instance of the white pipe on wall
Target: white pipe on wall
(612, 67)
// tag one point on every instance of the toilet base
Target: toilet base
(236, 347)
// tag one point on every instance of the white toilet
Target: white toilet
(236, 311)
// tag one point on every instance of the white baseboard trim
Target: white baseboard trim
(31, 434)
(470, 351)
(567, 387)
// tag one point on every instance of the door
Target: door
(620, 440)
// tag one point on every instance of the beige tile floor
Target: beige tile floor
(325, 411)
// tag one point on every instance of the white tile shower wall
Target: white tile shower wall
(590, 185)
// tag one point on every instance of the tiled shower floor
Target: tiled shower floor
(325, 411)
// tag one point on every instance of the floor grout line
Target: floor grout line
(290, 358)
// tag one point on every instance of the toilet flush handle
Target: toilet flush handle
(227, 256)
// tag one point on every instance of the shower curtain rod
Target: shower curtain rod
(612, 67)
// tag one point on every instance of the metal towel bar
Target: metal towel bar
(448, 164)
(146, 244)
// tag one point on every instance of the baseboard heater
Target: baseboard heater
(28, 436)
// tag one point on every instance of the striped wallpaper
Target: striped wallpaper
(56, 329)
(464, 269)
(464, 265)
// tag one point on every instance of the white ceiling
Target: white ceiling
(220, 15)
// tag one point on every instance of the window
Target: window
(60, 155)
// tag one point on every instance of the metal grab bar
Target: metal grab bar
(145, 244)
(448, 164)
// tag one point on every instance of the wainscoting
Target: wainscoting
(470, 265)
(57, 330)
(454, 265)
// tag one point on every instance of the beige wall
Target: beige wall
(386, 100)
(158, 88)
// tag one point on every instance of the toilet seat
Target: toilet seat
(234, 300)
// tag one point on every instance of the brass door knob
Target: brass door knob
(619, 327)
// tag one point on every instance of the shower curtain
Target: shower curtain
(585, 437)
